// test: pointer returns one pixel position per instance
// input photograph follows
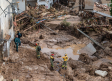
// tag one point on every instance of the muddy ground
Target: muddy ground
(26, 67)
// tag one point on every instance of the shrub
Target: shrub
(65, 23)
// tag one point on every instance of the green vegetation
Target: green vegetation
(65, 23)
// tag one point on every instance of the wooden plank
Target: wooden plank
(29, 27)
(21, 18)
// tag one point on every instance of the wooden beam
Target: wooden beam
(29, 27)
(21, 18)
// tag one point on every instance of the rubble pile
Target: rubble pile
(89, 60)
(101, 6)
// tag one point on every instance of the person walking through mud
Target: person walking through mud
(38, 49)
(17, 42)
(19, 36)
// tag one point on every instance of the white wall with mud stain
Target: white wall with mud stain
(21, 5)
(6, 18)
(6, 21)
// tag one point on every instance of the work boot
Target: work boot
(19, 44)
(16, 50)
(65, 68)
(52, 68)
(38, 58)
(62, 67)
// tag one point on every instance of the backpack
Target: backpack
(39, 48)
(20, 35)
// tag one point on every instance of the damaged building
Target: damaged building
(6, 27)
(61, 40)
(21, 5)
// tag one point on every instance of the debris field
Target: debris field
(58, 30)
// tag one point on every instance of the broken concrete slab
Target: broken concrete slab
(89, 49)
(101, 73)
(1, 78)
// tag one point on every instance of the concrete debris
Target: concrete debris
(101, 73)
(89, 49)
(104, 7)
(1, 78)
(60, 30)
(110, 46)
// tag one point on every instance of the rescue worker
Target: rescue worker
(19, 36)
(65, 58)
(38, 49)
(51, 60)
(17, 42)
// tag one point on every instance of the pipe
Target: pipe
(91, 39)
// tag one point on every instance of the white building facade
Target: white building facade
(47, 3)
(19, 5)
(6, 23)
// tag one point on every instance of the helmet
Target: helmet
(52, 54)
(36, 44)
(65, 54)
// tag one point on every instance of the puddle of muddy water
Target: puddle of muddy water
(71, 51)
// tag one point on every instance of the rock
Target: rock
(94, 58)
(41, 37)
(110, 68)
(89, 49)
(110, 46)
(75, 64)
(62, 71)
(70, 77)
(85, 58)
(104, 67)
(101, 73)
(108, 51)
(69, 70)
(1, 77)
(90, 69)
